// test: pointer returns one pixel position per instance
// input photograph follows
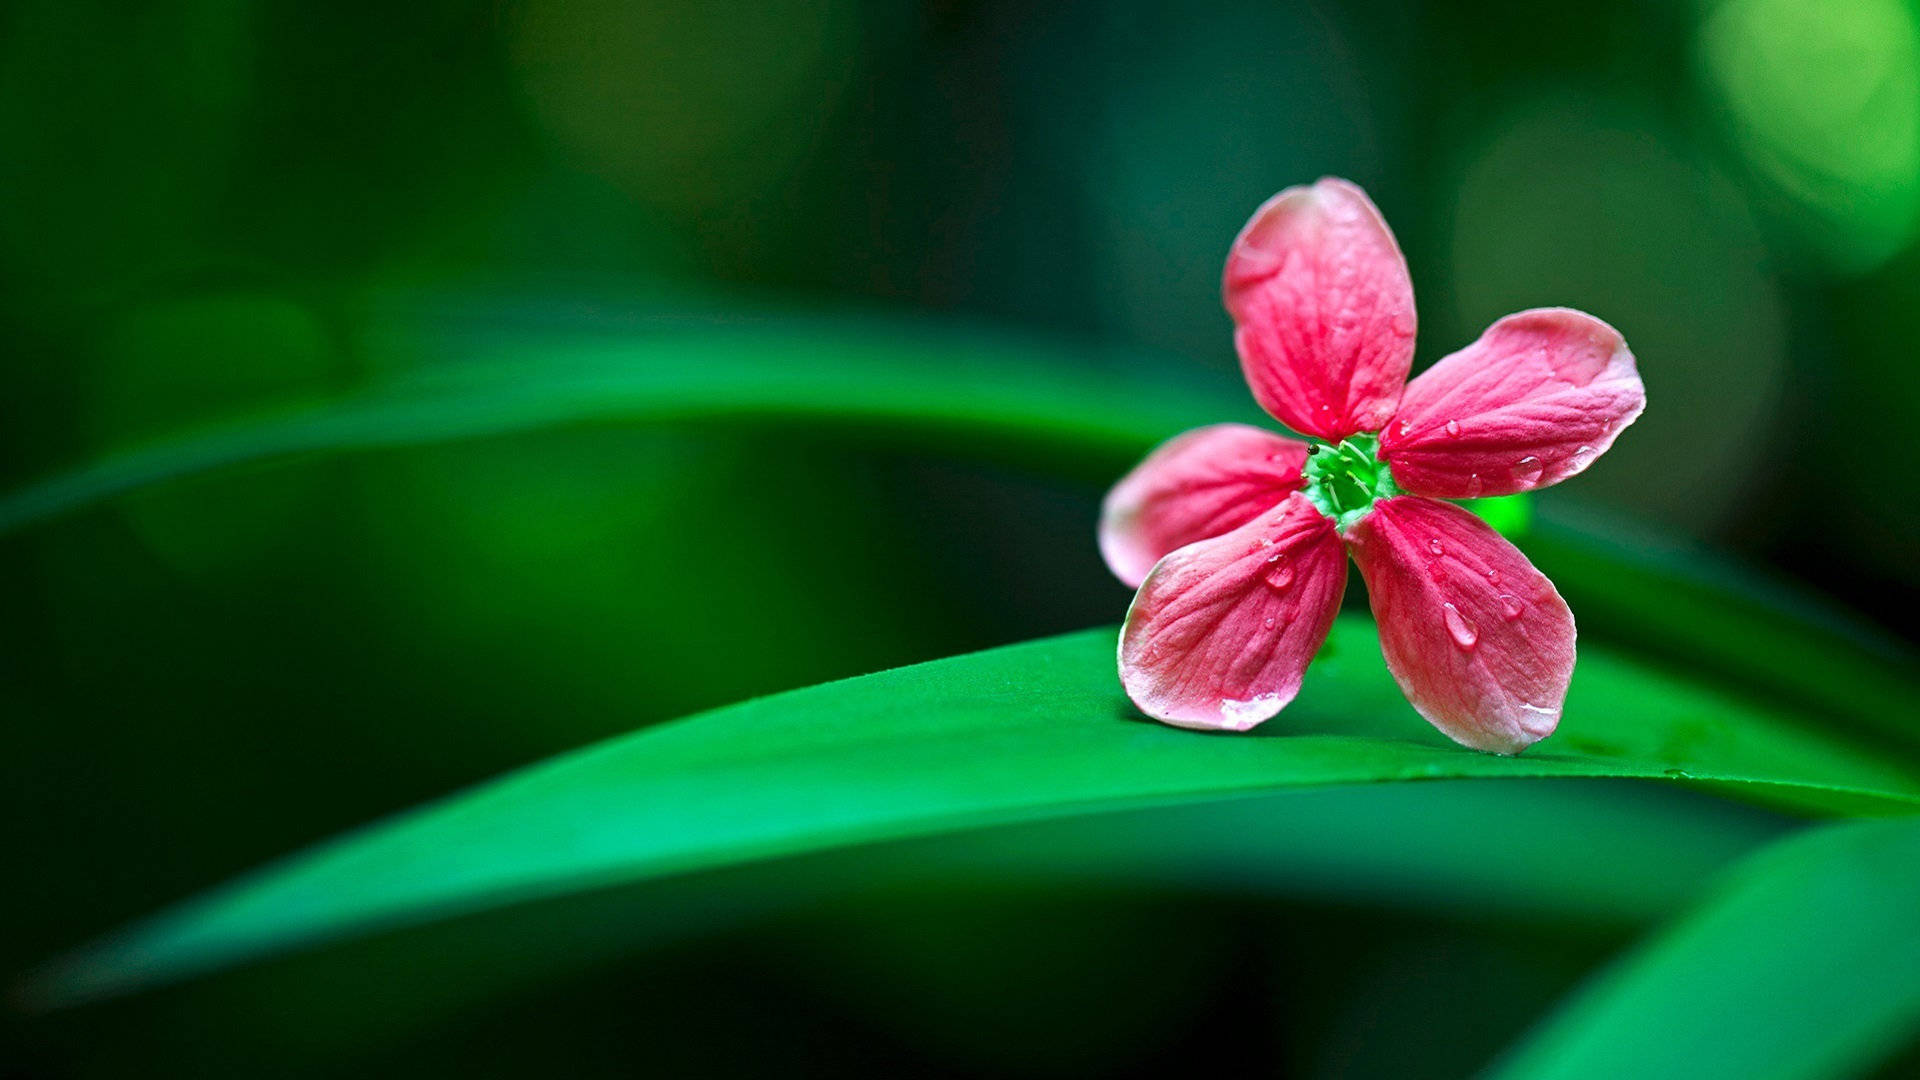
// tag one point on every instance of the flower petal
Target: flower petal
(1534, 401)
(1323, 310)
(1221, 632)
(1196, 486)
(1479, 641)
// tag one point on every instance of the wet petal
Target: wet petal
(1196, 486)
(1479, 641)
(1221, 632)
(1534, 401)
(1323, 310)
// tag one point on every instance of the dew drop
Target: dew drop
(1493, 578)
(1241, 715)
(1462, 631)
(1527, 470)
(1547, 718)
(1474, 486)
(1279, 573)
(1406, 426)
(1403, 323)
(1453, 428)
(1435, 546)
(1267, 622)
(1511, 607)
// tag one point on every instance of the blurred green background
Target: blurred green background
(212, 208)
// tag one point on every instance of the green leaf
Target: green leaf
(1509, 515)
(1678, 606)
(1022, 733)
(1687, 607)
(1805, 965)
(1473, 850)
(987, 386)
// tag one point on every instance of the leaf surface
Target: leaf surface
(986, 385)
(1023, 733)
(991, 391)
(1805, 965)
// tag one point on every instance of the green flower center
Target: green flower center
(1345, 481)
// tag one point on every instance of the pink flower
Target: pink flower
(1237, 537)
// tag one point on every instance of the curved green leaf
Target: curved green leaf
(1807, 965)
(1680, 604)
(992, 389)
(988, 386)
(1483, 850)
(1022, 733)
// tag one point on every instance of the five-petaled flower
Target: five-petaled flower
(1237, 537)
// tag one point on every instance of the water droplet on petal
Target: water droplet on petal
(1453, 428)
(1547, 718)
(1511, 607)
(1241, 715)
(1527, 471)
(1436, 547)
(1474, 486)
(1279, 573)
(1267, 622)
(1493, 577)
(1406, 426)
(1462, 631)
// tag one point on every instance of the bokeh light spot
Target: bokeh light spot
(687, 105)
(1588, 205)
(1822, 99)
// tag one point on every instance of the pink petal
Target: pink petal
(1196, 486)
(1479, 641)
(1323, 310)
(1534, 401)
(1221, 632)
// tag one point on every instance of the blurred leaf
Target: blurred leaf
(988, 394)
(987, 386)
(1027, 732)
(1676, 603)
(1805, 965)
(1510, 515)
(1468, 851)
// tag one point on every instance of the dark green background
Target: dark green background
(212, 208)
